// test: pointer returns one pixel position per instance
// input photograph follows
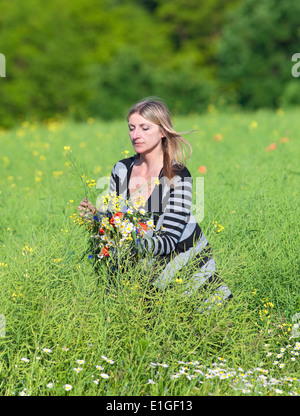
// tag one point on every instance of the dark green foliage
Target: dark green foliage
(97, 57)
(255, 53)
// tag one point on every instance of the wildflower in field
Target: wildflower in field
(48, 350)
(150, 381)
(26, 250)
(105, 376)
(99, 367)
(220, 227)
(50, 385)
(25, 360)
(91, 183)
(284, 140)
(253, 125)
(77, 369)
(67, 387)
(163, 365)
(272, 146)
(107, 360)
(153, 365)
(175, 376)
(218, 137)
(57, 173)
(202, 169)
(80, 361)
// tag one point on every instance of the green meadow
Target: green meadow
(63, 333)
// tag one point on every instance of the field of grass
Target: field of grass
(64, 334)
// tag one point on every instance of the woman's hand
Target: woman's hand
(86, 207)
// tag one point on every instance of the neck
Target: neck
(150, 161)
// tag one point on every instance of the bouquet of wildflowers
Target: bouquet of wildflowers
(117, 229)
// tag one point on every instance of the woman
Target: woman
(156, 174)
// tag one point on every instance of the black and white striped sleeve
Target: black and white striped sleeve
(175, 216)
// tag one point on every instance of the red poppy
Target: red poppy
(202, 169)
(105, 252)
(116, 215)
(143, 226)
(101, 231)
(272, 146)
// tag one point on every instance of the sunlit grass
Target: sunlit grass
(60, 320)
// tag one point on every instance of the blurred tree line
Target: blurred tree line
(95, 58)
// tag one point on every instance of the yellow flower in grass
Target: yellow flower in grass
(26, 250)
(219, 226)
(57, 173)
(56, 260)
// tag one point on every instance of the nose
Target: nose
(136, 133)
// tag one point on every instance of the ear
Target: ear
(162, 133)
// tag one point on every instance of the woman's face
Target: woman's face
(145, 135)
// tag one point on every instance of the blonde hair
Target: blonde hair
(173, 143)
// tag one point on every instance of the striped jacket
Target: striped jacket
(177, 236)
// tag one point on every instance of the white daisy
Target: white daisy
(150, 381)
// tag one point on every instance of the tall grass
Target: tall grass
(63, 327)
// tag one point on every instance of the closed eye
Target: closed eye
(132, 127)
